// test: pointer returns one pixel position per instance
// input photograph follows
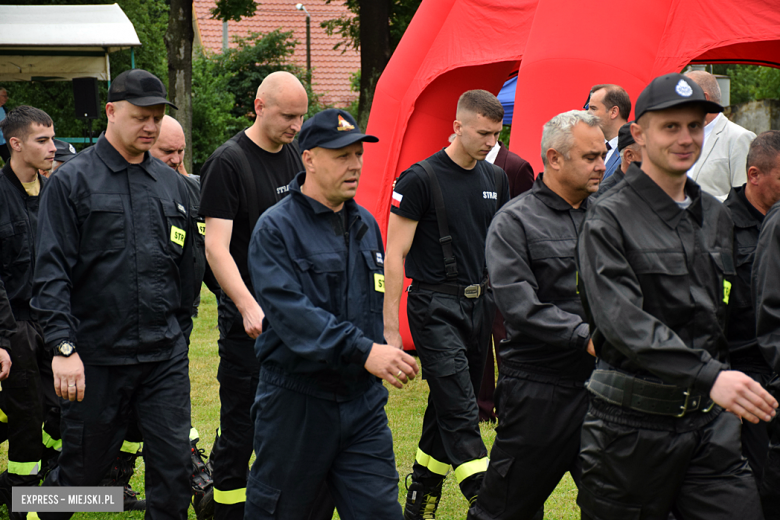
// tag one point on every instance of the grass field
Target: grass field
(405, 410)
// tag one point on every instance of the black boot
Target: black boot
(422, 498)
(119, 475)
(202, 484)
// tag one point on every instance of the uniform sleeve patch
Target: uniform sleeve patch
(202, 228)
(726, 291)
(178, 235)
(379, 282)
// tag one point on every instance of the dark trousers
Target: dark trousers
(93, 431)
(233, 444)
(28, 400)
(769, 488)
(301, 441)
(644, 473)
(537, 442)
(755, 437)
(451, 335)
(486, 400)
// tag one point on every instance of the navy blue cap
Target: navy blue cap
(671, 90)
(332, 128)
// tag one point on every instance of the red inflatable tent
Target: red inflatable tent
(562, 47)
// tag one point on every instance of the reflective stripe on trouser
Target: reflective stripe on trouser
(423, 459)
(130, 447)
(451, 336)
(470, 468)
(24, 468)
(194, 436)
(234, 496)
(49, 442)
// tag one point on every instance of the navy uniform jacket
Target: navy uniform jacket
(765, 282)
(321, 287)
(653, 278)
(18, 223)
(531, 258)
(114, 258)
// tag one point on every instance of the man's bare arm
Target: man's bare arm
(400, 234)
(218, 233)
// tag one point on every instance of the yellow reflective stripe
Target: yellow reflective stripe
(33, 516)
(234, 496)
(219, 431)
(24, 468)
(469, 468)
(3, 417)
(194, 434)
(49, 442)
(423, 459)
(131, 447)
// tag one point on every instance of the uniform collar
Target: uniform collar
(661, 203)
(317, 207)
(551, 199)
(743, 213)
(114, 160)
(14, 180)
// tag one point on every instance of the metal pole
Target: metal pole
(224, 36)
(132, 57)
(308, 47)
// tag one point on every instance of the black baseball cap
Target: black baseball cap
(671, 90)
(65, 151)
(139, 87)
(332, 128)
(624, 136)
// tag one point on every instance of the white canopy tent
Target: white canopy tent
(61, 42)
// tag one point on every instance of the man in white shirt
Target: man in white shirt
(721, 164)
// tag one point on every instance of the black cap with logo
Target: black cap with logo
(671, 90)
(139, 87)
(65, 151)
(332, 128)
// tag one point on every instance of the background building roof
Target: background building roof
(331, 70)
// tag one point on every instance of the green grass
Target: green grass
(405, 410)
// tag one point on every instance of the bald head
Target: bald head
(277, 85)
(169, 147)
(280, 105)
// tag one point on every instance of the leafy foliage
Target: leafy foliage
(348, 27)
(233, 10)
(751, 82)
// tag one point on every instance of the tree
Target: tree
(375, 29)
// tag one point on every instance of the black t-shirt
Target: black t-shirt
(223, 186)
(470, 201)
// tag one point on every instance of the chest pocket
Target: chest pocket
(104, 223)
(376, 281)
(14, 247)
(177, 227)
(322, 280)
(554, 267)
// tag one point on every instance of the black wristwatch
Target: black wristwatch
(64, 348)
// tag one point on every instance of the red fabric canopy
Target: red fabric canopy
(563, 47)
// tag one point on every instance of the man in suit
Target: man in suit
(611, 104)
(721, 164)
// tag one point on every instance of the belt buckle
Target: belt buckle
(473, 291)
(684, 406)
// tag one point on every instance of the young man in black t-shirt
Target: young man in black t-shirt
(229, 194)
(449, 316)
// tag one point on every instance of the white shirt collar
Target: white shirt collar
(491, 156)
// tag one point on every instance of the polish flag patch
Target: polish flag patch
(397, 198)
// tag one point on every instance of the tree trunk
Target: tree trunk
(374, 51)
(178, 41)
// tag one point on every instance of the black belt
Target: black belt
(468, 291)
(645, 396)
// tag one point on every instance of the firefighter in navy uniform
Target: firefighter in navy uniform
(316, 263)
(114, 291)
(655, 258)
(450, 315)
(28, 394)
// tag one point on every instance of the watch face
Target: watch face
(66, 349)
